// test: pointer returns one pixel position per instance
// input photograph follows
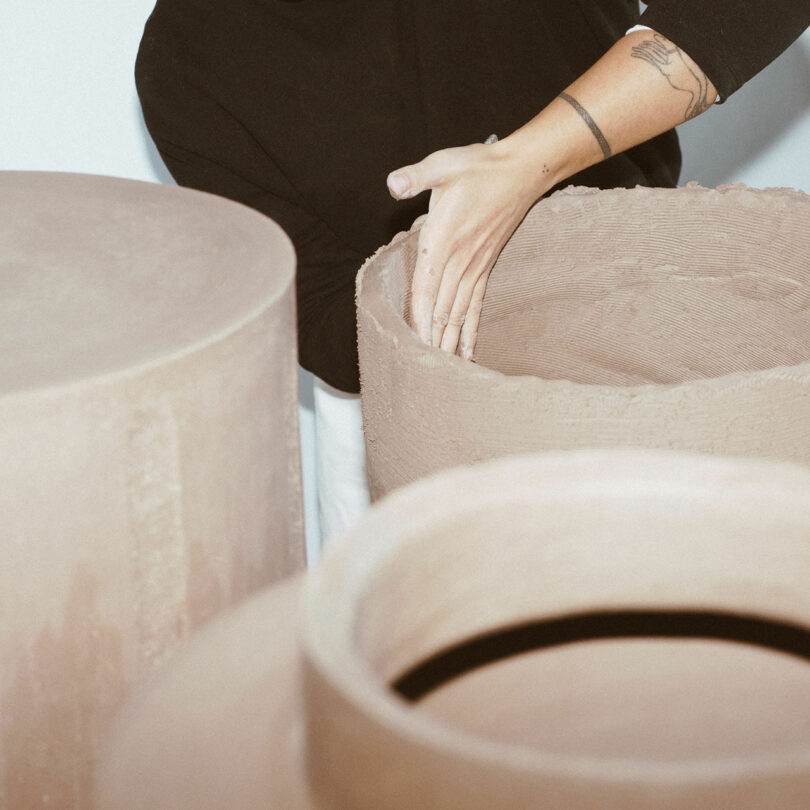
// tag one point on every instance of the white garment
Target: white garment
(340, 464)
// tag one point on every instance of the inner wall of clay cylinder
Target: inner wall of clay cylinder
(652, 287)
(675, 289)
(649, 699)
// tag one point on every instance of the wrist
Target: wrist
(548, 150)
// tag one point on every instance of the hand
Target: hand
(479, 195)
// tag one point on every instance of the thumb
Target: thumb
(412, 180)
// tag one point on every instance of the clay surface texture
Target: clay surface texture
(652, 318)
(250, 716)
(148, 432)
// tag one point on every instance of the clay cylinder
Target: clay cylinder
(584, 631)
(628, 318)
(618, 630)
(148, 432)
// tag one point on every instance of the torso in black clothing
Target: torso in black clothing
(301, 109)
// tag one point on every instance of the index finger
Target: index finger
(427, 277)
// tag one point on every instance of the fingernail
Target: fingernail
(467, 347)
(398, 183)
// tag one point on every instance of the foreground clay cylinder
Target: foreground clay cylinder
(674, 319)
(586, 631)
(149, 446)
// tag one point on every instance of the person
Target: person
(302, 108)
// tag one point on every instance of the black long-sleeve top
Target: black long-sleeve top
(301, 109)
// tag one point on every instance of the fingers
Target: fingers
(447, 289)
(458, 287)
(423, 296)
(448, 340)
(453, 299)
(461, 327)
(427, 279)
(474, 207)
(443, 283)
(469, 331)
(445, 312)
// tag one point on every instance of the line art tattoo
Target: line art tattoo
(586, 117)
(668, 59)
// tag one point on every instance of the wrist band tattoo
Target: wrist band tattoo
(586, 117)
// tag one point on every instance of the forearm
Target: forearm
(643, 86)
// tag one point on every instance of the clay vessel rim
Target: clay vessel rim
(277, 240)
(387, 319)
(367, 694)
(331, 657)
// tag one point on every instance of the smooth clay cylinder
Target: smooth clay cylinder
(589, 631)
(148, 436)
(676, 319)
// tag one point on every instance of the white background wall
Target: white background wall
(68, 103)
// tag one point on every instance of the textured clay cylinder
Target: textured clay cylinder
(675, 319)
(588, 631)
(148, 433)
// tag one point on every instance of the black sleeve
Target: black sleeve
(731, 40)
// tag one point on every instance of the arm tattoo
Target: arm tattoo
(668, 59)
(586, 117)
